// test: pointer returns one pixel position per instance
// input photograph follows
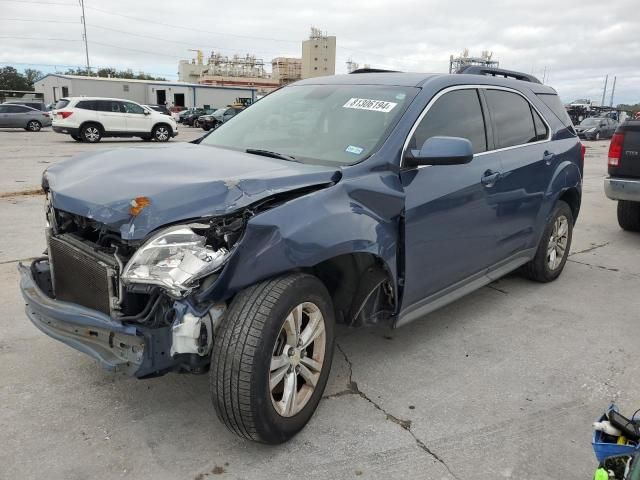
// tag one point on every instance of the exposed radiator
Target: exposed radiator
(81, 275)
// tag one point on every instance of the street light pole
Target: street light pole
(84, 36)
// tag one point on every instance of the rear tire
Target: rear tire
(76, 138)
(33, 126)
(196, 124)
(260, 366)
(554, 246)
(629, 215)
(91, 133)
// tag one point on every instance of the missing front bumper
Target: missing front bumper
(134, 350)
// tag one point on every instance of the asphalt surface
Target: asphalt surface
(504, 383)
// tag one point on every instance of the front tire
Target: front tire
(629, 215)
(196, 124)
(272, 356)
(161, 133)
(554, 246)
(597, 137)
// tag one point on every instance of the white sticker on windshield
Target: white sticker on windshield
(368, 104)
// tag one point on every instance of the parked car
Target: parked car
(192, 119)
(21, 116)
(596, 128)
(35, 105)
(89, 119)
(366, 199)
(159, 108)
(623, 182)
(218, 117)
(184, 113)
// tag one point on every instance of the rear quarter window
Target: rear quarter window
(555, 105)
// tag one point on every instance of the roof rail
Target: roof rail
(498, 72)
(374, 70)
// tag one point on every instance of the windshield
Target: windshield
(590, 122)
(317, 124)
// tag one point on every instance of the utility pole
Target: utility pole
(84, 36)
(604, 92)
(613, 90)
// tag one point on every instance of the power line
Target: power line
(40, 38)
(39, 21)
(192, 29)
(22, 2)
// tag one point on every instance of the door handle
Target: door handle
(548, 157)
(489, 178)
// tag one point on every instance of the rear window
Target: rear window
(555, 105)
(63, 102)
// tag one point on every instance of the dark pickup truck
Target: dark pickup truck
(623, 182)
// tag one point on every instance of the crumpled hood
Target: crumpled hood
(183, 181)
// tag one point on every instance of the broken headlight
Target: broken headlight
(174, 259)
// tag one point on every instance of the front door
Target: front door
(451, 227)
(137, 121)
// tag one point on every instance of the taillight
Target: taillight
(64, 114)
(583, 152)
(615, 149)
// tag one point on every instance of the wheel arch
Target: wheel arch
(162, 123)
(92, 122)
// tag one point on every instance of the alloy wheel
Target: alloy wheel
(162, 134)
(297, 359)
(92, 134)
(34, 126)
(557, 246)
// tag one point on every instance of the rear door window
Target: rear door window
(512, 118)
(454, 114)
(87, 105)
(17, 109)
(542, 131)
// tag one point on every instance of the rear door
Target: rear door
(522, 138)
(451, 228)
(112, 115)
(17, 116)
(4, 116)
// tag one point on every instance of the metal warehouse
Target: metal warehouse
(55, 86)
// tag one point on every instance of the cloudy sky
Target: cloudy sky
(578, 42)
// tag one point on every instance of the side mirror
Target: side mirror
(440, 151)
(147, 112)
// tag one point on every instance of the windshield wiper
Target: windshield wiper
(269, 153)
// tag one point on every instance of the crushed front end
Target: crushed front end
(129, 304)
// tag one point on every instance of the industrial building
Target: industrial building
(181, 94)
(318, 58)
(318, 55)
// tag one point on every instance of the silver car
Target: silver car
(21, 116)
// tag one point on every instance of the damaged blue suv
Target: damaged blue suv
(356, 199)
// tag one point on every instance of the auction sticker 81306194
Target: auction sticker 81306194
(368, 104)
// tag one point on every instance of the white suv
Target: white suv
(88, 119)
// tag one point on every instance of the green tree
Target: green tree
(32, 76)
(11, 79)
